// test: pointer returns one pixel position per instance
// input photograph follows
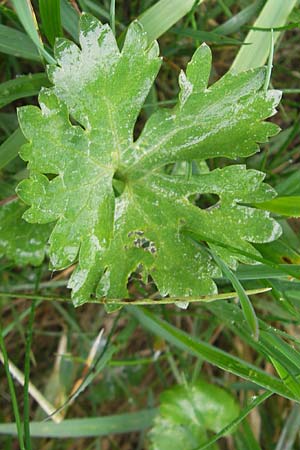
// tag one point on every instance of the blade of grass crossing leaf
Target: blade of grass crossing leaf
(9, 149)
(284, 267)
(163, 15)
(12, 392)
(22, 86)
(90, 427)
(247, 307)
(274, 14)
(51, 20)
(290, 381)
(285, 206)
(210, 353)
(16, 43)
(27, 17)
(243, 414)
(269, 345)
(261, 271)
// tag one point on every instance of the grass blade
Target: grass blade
(16, 43)
(274, 14)
(247, 307)
(91, 427)
(234, 24)
(243, 414)
(163, 15)
(9, 149)
(21, 87)
(18, 425)
(27, 439)
(70, 19)
(50, 17)
(210, 353)
(262, 271)
(291, 429)
(285, 206)
(206, 36)
(27, 17)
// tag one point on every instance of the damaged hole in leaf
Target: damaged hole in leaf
(208, 201)
(75, 122)
(145, 244)
(51, 176)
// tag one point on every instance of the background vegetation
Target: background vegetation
(105, 373)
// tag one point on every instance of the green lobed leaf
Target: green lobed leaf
(115, 208)
(20, 241)
(187, 412)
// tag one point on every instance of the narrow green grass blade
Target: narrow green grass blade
(29, 330)
(285, 206)
(206, 36)
(70, 19)
(9, 149)
(210, 353)
(270, 345)
(247, 307)
(289, 270)
(96, 9)
(289, 185)
(26, 15)
(16, 43)
(274, 14)
(18, 425)
(262, 271)
(112, 16)
(290, 431)
(234, 24)
(243, 414)
(22, 86)
(101, 362)
(51, 21)
(163, 15)
(288, 380)
(91, 427)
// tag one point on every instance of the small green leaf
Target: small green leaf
(116, 210)
(187, 412)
